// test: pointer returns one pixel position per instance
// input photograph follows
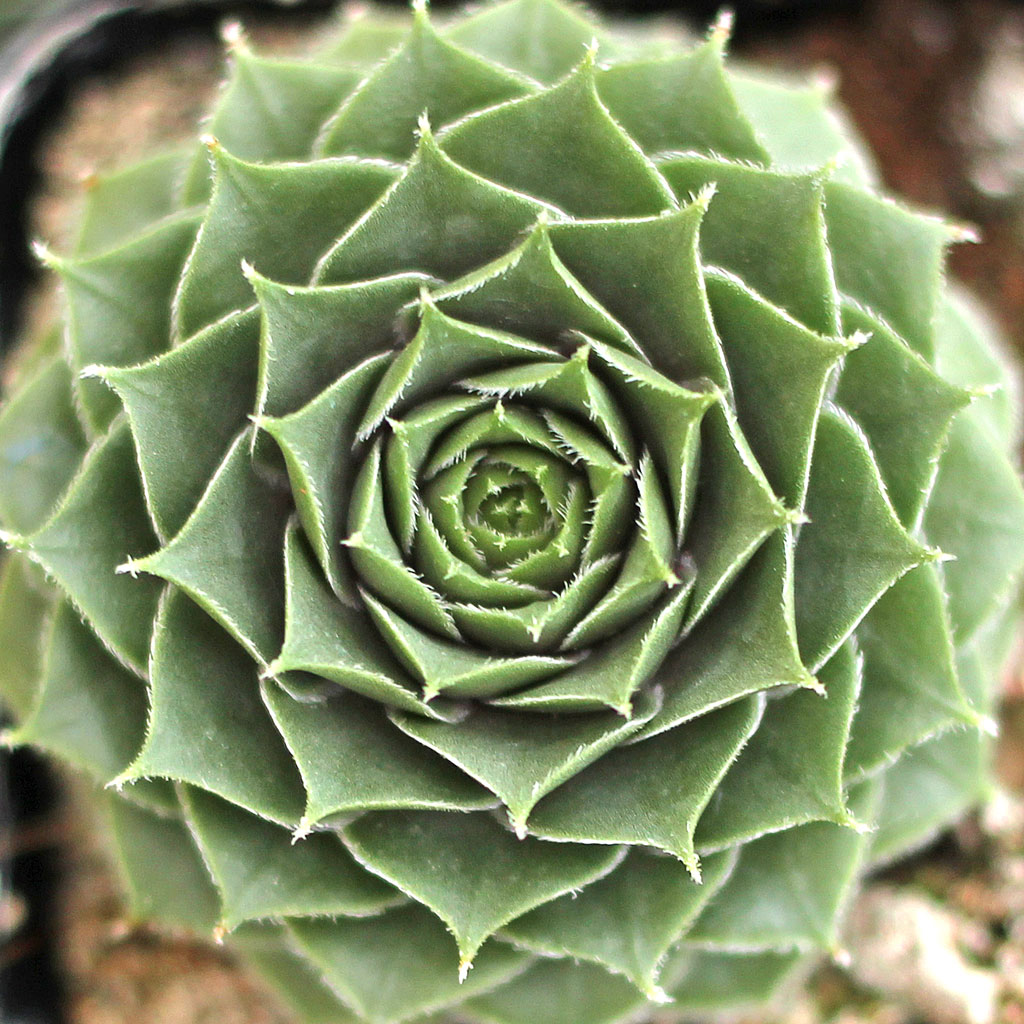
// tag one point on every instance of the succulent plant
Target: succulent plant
(517, 522)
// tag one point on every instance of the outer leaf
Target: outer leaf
(627, 921)
(561, 145)
(711, 982)
(273, 109)
(126, 202)
(927, 788)
(765, 347)
(207, 725)
(768, 227)
(438, 218)
(262, 872)
(791, 771)
(651, 793)
(353, 759)
(41, 444)
(747, 643)
(866, 232)
(801, 128)
(91, 711)
(854, 548)
(100, 522)
(165, 877)
(788, 889)
(228, 555)
(407, 946)
(426, 74)
(663, 302)
(548, 749)
(976, 513)
(540, 38)
(203, 388)
(119, 305)
(471, 871)
(293, 978)
(911, 689)
(556, 992)
(904, 407)
(26, 602)
(644, 97)
(280, 216)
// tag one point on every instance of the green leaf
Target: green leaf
(318, 443)
(337, 641)
(662, 301)
(90, 711)
(377, 559)
(41, 446)
(353, 759)
(457, 669)
(976, 513)
(626, 922)
(788, 889)
(904, 407)
(969, 352)
(530, 292)
(438, 218)
(363, 40)
(559, 992)
(644, 97)
(615, 671)
(208, 726)
(561, 145)
(668, 418)
(541, 625)
(99, 523)
(768, 228)
(163, 872)
(523, 756)
(426, 74)
(312, 336)
(410, 949)
(271, 109)
(735, 510)
(262, 872)
(119, 305)
(203, 388)
(927, 789)
(128, 201)
(764, 347)
(470, 870)
(228, 556)
(801, 127)
(854, 548)
(867, 232)
(791, 771)
(442, 351)
(25, 605)
(911, 689)
(709, 982)
(747, 643)
(540, 38)
(298, 984)
(652, 792)
(279, 216)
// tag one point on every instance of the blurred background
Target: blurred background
(937, 89)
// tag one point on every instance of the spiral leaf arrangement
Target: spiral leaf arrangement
(518, 523)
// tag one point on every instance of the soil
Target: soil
(938, 91)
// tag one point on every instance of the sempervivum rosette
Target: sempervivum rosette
(532, 472)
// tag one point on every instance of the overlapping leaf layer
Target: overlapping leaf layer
(518, 522)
